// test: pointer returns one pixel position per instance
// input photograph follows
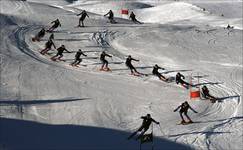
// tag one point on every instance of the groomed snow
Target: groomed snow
(51, 105)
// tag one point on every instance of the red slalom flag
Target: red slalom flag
(124, 11)
(194, 94)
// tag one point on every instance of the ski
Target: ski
(77, 65)
(106, 70)
(138, 74)
(56, 59)
(185, 123)
(135, 74)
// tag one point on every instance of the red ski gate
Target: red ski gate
(195, 94)
(124, 11)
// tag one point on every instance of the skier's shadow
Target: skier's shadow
(119, 26)
(171, 71)
(115, 62)
(82, 58)
(69, 40)
(60, 31)
(200, 76)
(208, 83)
(70, 52)
(200, 132)
(220, 120)
(143, 67)
(97, 46)
(92, 51)
(40, 102)
(83, 51)
(228, 97)
(171, 79)
(79, 32)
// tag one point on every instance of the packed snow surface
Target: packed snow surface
(51, 105)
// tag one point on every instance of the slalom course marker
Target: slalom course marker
(194, 94)
(124, 13)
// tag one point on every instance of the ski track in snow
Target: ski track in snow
(105, 40)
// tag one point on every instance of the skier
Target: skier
(184, 108)
(179, 79)
(81, 19)
(205, 94)
(111, 16)
(156, 72)
(147, 120)
(40, 35)
(133, 17)
(48, 46)
(104, 66)
(51, 37)
(229, 27)
(60, 51)
(130, 66)
(56, 23)
(78, 60)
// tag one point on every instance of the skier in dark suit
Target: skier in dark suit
(147, 120)
(183, 109)
(81, 19)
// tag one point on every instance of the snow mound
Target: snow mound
(169, 13)
(102, 7)
(137, 5)
(184, 13)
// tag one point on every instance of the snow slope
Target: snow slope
(68, 107)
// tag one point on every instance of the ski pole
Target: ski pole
(161, 130)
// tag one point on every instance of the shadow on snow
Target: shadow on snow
(208, 83)
(228, 97)
(221, 120)
(21, 134)
(200, 132)
(39, 102)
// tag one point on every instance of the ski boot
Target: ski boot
(183, 122)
